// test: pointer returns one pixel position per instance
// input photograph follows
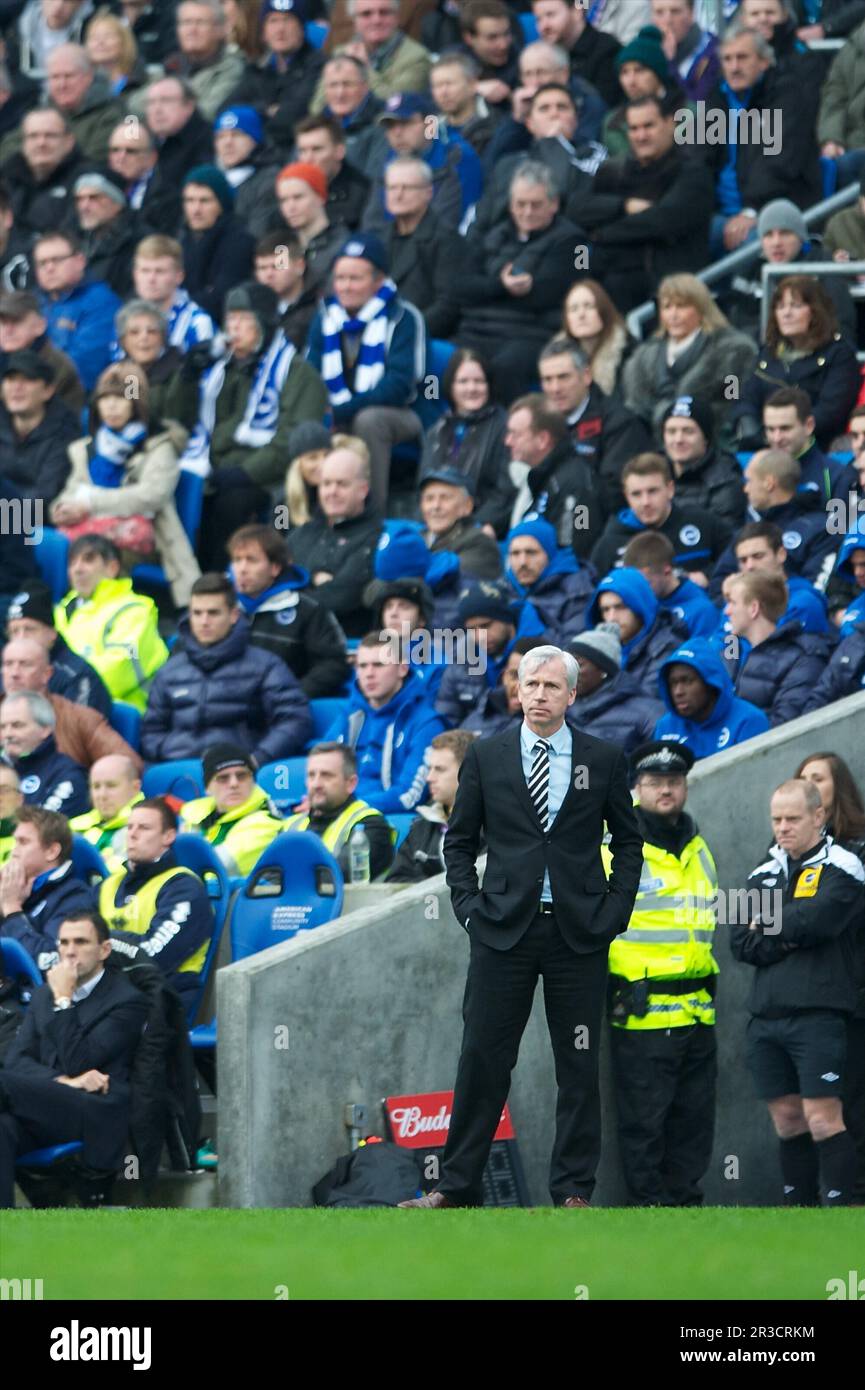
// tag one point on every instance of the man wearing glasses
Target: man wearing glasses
(40, 177)
(79, 312)
(396, 62)
(183, 139)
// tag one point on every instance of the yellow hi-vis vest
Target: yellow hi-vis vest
(670, 934)
(241, 835)
(116, 631)
(137, 914)
(6, 842)
(336, 836)
(109, 836)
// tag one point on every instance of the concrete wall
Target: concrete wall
(370, 1006)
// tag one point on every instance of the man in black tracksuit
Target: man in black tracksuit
(800, 939)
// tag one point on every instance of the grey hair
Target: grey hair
(560, 345)
(762, 47)
(213, 6)
(41, 709)
(82, 57)
(132, 308)
(539, 656)
(340, 57)
(408, 161)
(811, 791)
(555, 51)
(534, 172)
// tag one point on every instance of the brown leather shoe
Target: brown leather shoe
(576, 1202)
(431, 1201)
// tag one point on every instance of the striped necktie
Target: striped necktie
(539, 781)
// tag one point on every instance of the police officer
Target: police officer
(331, 809)
(235, 816)
(662, 986)
(800, 939)
(154, 905)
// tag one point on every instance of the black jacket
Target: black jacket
(101, 1032)
(493, 798)
(845, 673)
(698, 538)
(302, 633)
(593, 58)
(561, 485)
(421, 853)
(793, 170)
(606, 435)
(232, 692)
(571, 167)
(161, 207)
(109, 251)
(49, 904)
(804, 957)
(347, 195)
(809, 545)
(265, 87)
(77, 680)
(830, 375)
(480, 454)
(422, 265)
(714, 483)
(38, 465)
(215, 261)
(19, 559)
(669, 237)
(42, 205)
(52, 780)
(255, 202)
(346, 551)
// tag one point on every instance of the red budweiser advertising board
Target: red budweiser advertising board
(422, 1121)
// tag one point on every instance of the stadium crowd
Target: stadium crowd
(318, 385)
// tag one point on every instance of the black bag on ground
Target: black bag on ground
(376, 1175)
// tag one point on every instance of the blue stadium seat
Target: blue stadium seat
(438, 354)
(126, 720)
(529, 26)
(284, 781)
(188, 501)
(296, 885)
(324, 712)
(316, 34)
(51, 553)
(402, 824)
(193, 852)
(183, 778)
(87, 861)
(47, 1157)
(17, 963)
(829, 175)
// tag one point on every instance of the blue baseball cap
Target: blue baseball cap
(243, 118)
(293, 7)
(366, 246)
(402, 106)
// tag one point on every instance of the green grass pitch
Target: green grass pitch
(716, 1253)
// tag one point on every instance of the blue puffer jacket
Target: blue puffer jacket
(805, 606)
(559, 595)
(390, 744)
(731, 720)
(690, 606)
(53, 896)
(463, 686)
(52, 780)
(230, 692)
(779, 674)
(660, 633)
(491, 716)
(845, 674)
(617, 711)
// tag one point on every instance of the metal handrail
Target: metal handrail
(821, 268)
(744, 255)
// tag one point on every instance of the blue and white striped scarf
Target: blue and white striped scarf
(372, 324)
(188, 323)
(261, 416)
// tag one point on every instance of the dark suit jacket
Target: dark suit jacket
(493, 799)
(102, 1032)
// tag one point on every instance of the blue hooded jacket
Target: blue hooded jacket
(560, 592)
(390, 744)
(731, 721)
(854, 540)
(691, 606)
(660, 633)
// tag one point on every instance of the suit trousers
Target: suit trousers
(41, 1111)
(665, 1100)
(498, 1000)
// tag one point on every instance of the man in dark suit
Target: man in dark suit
(67, 1072)
(541, 794)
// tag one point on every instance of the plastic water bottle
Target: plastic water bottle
(358, 856)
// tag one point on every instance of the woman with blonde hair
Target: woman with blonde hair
(112, 49)
(123, 479)
(695, 352)
(310, 445)
(592, 321)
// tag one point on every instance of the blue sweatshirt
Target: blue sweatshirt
(731, 720)
(390, 744)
